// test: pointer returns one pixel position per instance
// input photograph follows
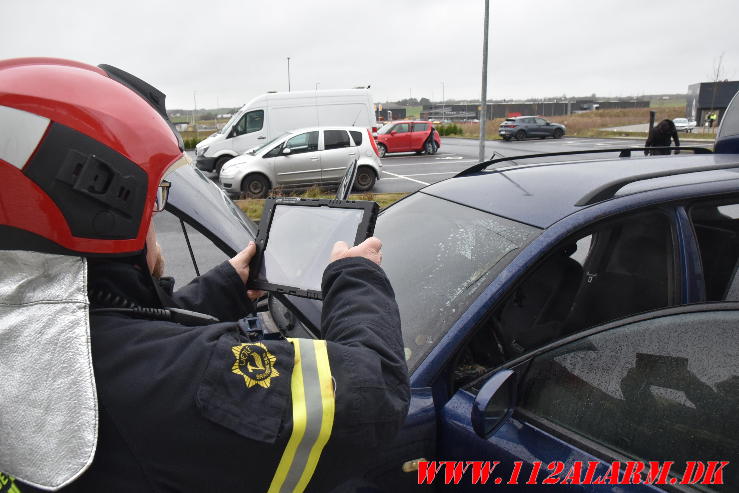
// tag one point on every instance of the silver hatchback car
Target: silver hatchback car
(304, 157)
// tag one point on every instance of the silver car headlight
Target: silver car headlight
(200, 151)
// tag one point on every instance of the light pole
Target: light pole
(288, 74)
(484, 95)
(443, 112)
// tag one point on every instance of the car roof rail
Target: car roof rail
(608, 190)
(623, 152)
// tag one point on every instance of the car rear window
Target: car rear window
(335, 139)
(357, 136)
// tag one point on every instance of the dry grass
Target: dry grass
(588, 124)
(253, 207)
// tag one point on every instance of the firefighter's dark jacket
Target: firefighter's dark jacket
(175, 416)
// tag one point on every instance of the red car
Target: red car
(407, 136)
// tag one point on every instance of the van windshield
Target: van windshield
(230, 122)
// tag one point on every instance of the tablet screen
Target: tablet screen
(300, 243)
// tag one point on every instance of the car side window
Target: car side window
(420, 127)
(335, 139)
(610, 271)
(661, 389)
(716, 227)
(401, 128)
(307, 142)
(356, 137)
(540, 121)
(252, 121)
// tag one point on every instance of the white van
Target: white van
(270, 115)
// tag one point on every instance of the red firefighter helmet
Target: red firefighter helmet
(82, 152)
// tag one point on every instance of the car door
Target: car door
(661, 386)
(338, 152)
(249, 131)
(543, 128)
(400, 138)
(419, 135)
(299, 160)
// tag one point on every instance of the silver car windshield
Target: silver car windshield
(254, 150)
(439, 256)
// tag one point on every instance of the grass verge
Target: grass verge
(253, 207)
(587, 124)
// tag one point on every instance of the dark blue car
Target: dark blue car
(561, 317)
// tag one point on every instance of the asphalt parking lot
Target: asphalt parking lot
(408, 172)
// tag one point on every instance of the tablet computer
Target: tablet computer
(296, 237)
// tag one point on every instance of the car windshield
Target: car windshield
(439, 255)
(230, 122)
(680, 120)
(258, 148)
(386, 128)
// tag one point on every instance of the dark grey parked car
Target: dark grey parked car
(522, 127)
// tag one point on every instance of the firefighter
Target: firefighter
(110, 384)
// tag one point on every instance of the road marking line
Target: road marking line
(429, 174)
(406, 178)
(429, 163)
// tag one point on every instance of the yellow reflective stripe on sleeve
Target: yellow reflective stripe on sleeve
(326, 385)
(312, 391)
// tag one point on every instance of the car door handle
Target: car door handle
(261, 138)
(314, 158)
(352, 153)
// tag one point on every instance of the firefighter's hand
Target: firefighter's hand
(369, 249)
(240, 263)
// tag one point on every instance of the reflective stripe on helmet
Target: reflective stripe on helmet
(20, 134)
(313, 416)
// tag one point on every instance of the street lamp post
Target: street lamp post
(484, 95)
(443, 111)
(288, 74)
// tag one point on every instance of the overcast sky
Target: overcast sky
(229, 51)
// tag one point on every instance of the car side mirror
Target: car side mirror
(548, 123)
(286, 151)
(494, 403)
(393, 132)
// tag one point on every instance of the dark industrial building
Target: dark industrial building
(389, 112)
(705, 98)
(471, 111)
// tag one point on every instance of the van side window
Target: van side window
(335, 139)
(252, 121)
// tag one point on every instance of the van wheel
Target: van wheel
(381, 150)
(255, 187)
(220, 162)
(365, 179)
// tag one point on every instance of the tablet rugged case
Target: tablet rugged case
(365, 230)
